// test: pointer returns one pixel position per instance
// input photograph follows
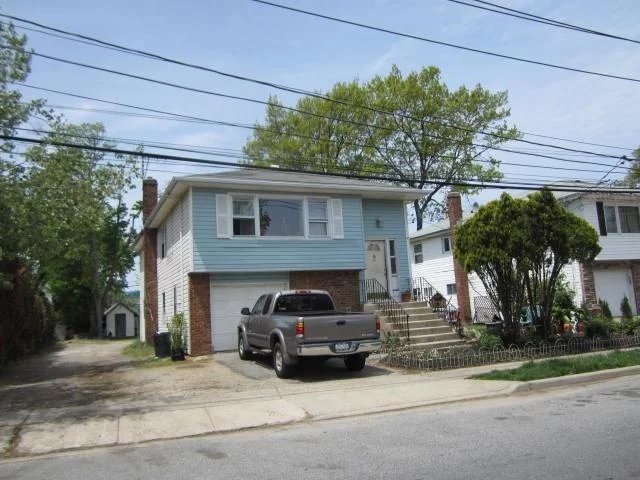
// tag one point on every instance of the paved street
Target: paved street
(587, 432)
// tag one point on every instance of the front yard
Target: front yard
(564, 366)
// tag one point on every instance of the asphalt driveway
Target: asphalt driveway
(94, 379)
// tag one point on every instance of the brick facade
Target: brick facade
(200, 314)
(342, 285)
(454, 208)
(150, 252)
(588, 285)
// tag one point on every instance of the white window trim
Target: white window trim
(389, 257)
(616, 209)
(305, 216)
(415, 254)
(442, 244)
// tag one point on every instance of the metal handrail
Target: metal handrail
(371, 290)
(422, 291)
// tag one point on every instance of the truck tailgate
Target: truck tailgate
(339, 327)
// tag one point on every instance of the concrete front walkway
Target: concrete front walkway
(44, 432)
(274, 402)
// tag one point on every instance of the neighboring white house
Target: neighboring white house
(614, 273)
(432, 261)
(120, 321)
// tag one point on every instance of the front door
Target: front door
(121, 325)
(376, 262)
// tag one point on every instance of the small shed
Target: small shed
(120, 321)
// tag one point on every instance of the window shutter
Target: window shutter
(223, 222)
(601, 222)
(336, 218)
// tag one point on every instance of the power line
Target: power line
(510, 179)
(300, 111)
(472, 184)
(254, 127)
(112, 46)
(538, 19)
(446, 44)
(240, 154)
(550, 21)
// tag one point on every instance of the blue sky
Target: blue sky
(246, 38)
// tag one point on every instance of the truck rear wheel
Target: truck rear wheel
(282, 368)
(355, 363)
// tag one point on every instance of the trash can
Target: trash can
(162, 342)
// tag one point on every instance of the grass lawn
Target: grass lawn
(144, 355)
(565, 366)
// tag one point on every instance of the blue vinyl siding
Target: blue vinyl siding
(391, 214)
(212, 254)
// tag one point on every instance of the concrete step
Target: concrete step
(426, 323)
(433, 338)
(430, 330)
(459, 343)
(424, 316)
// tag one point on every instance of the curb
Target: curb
(577, 379)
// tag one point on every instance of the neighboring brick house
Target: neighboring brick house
(614, 273)
(213, 243)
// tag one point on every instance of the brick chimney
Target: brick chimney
(454, 207)
(150, 245)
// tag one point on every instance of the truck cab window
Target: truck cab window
(257, 308)
(267, 304)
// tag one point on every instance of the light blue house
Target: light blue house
(214, 243)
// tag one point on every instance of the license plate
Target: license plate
(342, 347)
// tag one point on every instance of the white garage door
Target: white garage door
(227, 299)
(612, 285)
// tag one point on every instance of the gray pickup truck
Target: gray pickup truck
(295, 324)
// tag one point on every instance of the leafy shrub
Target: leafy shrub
(606, 311)
(473, 332)
(176, 330)
(630, 326)
(599, 327)
(625, 308)
(391, 340)
(563, 299)
(489, 341)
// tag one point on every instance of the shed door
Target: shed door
(227, 299)
(612, 284)
(121, 325)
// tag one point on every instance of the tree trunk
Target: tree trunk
(418, 212)
(95, 325)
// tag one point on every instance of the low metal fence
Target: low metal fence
(444, 359)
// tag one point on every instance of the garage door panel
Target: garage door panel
(611, 285)
(227, 299)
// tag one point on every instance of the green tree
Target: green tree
(429, 142)
(76, 198)
(14, 68)
(518, 247)
(633, 176)
(560, 238)
(490, 244)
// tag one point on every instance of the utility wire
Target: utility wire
(539, 19)
(182, 117)
(255, 127)
(446, 44)
(218, 94)
(298, 91)
(230, 152)
(472, 184)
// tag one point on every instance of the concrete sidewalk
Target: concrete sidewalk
(43, 431)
